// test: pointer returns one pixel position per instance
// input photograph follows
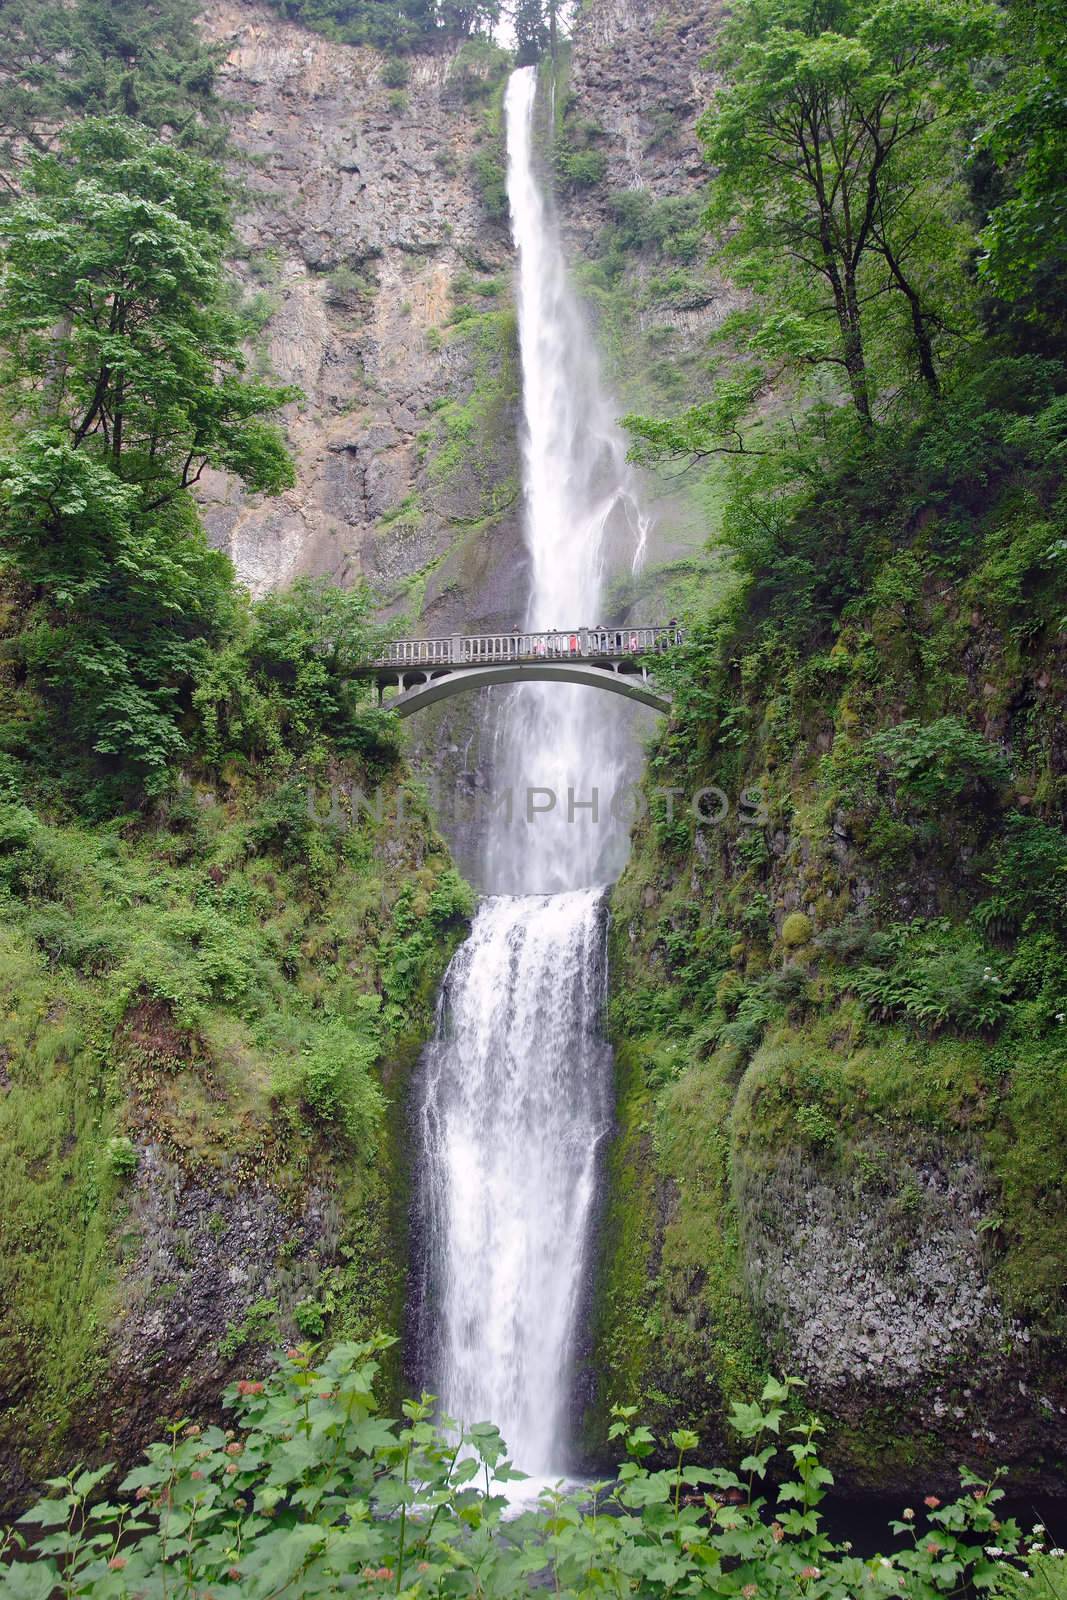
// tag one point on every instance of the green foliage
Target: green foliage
(536, 24)
(121, 1155)
(451, 900)
(488, 171)
(814, 1125)
(393, 24)
(313, 1486)
(1025, 241)
(936, 763)
(331, 1080)
(577, 159)
(256, 1328)
(310, 1317)
(934, 977)
(178, 980)
(111, 302)
(580, 169)
(834, 162)
(796, 929)
(886, 669)
(1028, 879)
(129, 372)
(673, 226)
(92, 58)
(395, 74)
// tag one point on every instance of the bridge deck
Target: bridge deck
(615, 648)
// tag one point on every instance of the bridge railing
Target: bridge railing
(616, 643)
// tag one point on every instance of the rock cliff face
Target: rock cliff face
(637, 72)
(376, 267)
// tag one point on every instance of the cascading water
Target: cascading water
(582, 518)
(516, 1086)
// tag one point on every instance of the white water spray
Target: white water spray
(516, 1096)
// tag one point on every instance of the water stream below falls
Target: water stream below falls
(515, 1099)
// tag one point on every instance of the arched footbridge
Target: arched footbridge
(618, 660)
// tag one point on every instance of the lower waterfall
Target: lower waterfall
(516, 1103)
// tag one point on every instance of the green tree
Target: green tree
(536, 24)
(127, 377)
(112, 320)
(834, 159)
(1026, 237)
(90, 57)
(393, 24)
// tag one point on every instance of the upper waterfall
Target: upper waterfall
(582, 521)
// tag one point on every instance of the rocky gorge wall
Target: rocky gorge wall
(842, 1076)
(375, 239)
(367, 241)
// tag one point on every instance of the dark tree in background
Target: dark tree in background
(394, 24)
(538, 25)
(531, 31)
(147, 62)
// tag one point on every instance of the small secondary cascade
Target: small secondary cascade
(516, 1085)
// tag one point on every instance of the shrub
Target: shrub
(346, 283)
(17, 827)
(1028, 878)
(331, 1081)
(395, 74)
(581, 169)
(935, 763)
(488, 172)
(310, 1318)
(313, 1494)
(814, 1125)
(848, 942)
(756, 1009)
(257, 1327)
(120, 1156)
(451, 900)
(787, 986)
(67, 942)
(934, 985)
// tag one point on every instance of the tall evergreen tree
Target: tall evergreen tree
(92, 57)
(531, 31)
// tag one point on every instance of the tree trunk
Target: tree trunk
(855, 360)
(55, 379)
(924, 349)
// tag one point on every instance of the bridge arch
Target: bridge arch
(443, 685)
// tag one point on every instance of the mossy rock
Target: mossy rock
(796, 930)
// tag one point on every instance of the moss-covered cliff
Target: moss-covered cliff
(208, 1019)
(839, 1004)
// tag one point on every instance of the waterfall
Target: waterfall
(582, 520)
(515, 1089)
